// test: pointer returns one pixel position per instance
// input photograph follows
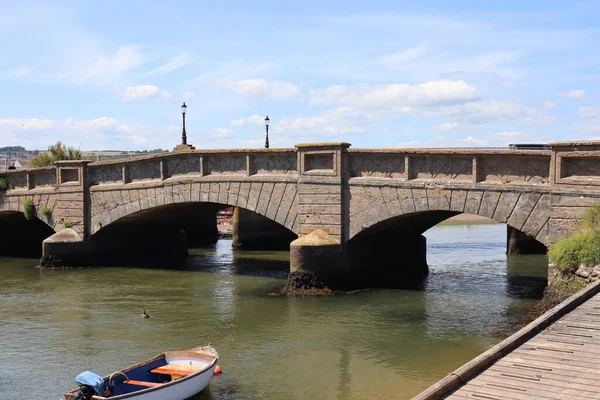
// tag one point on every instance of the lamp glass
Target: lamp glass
(183, 108)
(267, 121)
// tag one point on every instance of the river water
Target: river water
(386, 344)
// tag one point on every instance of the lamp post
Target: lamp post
(183, 135)
(267, 128)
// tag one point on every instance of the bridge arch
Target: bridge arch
(274, 201)
(20, 237)
(374, 207)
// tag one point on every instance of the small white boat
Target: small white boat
(173, 375)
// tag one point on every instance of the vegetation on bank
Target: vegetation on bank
(3, 183)
(56, 152)
(46, 212)
(67, 224)
(579, 249)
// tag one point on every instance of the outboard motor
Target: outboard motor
(89, 384)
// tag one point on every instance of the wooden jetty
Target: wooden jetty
(557, 356)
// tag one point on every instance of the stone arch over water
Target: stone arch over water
(378, 208)
(275, 201)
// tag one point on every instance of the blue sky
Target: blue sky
(112, 75)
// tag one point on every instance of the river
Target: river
(386, 344)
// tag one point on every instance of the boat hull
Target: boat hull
(200, 364)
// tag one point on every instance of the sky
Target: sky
(113, 74)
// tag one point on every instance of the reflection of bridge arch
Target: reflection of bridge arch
(414, 210)
(275, 201)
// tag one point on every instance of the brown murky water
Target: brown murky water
(387, 344)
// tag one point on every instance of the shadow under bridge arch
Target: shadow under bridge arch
(20, 237)
(162, 234)
(394, 251)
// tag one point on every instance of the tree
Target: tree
(56, 152)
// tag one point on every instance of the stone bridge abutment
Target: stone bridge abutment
(368, 200)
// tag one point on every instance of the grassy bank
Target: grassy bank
(576, 263)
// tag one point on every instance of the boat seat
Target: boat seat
(175, 370)
(142, 383)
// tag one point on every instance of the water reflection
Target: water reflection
(377, 344)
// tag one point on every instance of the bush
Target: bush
(591, 220)
(56, 152)
(3, 183)
(46, 212)
(67, 224)
(29, 209)
(581, 248)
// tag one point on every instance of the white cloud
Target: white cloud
(92, 125)
(333, 122)
(572, 94)
(177, 62)
(187, 95)
(576, 94)
(261, 88)
(212, 138)
(107, 69)
(448, 126)
(396, 95)
(486, 111)
(509, 135)
(126, 128)
(254, 119)
(402, 57)
(26, 124)
(589, 112)
(98, 133)
(145, 92)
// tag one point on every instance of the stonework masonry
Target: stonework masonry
(328, 186)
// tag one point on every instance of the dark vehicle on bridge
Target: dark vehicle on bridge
(530, 146)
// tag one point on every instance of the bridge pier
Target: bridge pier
(518, 242)
(391, 260)
(127, 244)
(252, 231)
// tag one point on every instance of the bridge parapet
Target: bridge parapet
(577, 164)
(502, 167)
(198, 163)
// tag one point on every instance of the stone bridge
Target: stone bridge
(357, 195)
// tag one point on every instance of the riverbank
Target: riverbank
(467, 219)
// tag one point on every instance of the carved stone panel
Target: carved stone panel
(183, 165)
(102, 174)
(17, 181)
(43, 178)
(377, 165)
(225, 164)
(274, 164)
(320, 162)
(514, 169)
(441, 167)
(69, 175)
(588, 167)
(144, 171)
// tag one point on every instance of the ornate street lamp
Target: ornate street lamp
(267, 137)
(183, 135)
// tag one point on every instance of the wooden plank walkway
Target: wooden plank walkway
(555, 357)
